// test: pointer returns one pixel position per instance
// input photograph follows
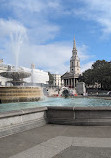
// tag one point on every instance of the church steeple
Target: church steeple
(74, 61)
(74, 51)
(74, 46)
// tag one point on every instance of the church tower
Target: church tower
(74, 61)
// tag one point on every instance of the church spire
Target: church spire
(74, 46)
(74, 51)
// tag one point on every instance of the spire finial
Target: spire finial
(74, 43)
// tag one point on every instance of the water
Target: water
(17, 39)
(72, 102)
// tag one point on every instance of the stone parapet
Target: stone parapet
(79, 115)
(21, 120)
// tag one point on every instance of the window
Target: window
(72, 69)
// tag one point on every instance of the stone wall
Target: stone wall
(21, 120)
(95, 116)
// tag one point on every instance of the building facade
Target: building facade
(71, 78)
(38, 77)
(56, 80)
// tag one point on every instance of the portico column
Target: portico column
(71, 82)
(64, 82)
(74, 82)
(68, 82)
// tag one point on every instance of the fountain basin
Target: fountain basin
(16, 76)
(25, 119)
(20, 94)
(61, 102)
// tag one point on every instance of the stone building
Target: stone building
(38, 77)
(71, 78)
(56, 80)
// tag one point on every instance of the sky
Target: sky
(42, 32)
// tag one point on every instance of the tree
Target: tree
(99, 73)
(87, 77)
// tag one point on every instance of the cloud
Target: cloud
(85, 58)
(98, 11)
(34, 22)
(52, 57)
(11, 26)
(34, 15)
(36, 5)
(86, 66)
(43, 32)
(82, 52)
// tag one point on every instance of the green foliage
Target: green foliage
(100, 73)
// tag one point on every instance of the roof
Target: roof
(68, 75)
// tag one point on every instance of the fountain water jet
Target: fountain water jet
(18, 93)
(17, 39)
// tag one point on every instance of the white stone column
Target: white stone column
(74, 82)
(68, 82)
(64, 82)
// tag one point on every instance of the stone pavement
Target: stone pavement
(58, 141)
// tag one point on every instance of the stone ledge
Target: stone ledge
(22, 120)
(21, 112)
(79, 108)
(95, 116)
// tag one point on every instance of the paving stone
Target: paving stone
(60, 142)
(20, 142)
(38, 152)
(84, 152)
(92, 142)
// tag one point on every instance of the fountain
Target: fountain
(17, 92)
(17, 77)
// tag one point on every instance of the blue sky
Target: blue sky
(43, 30)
